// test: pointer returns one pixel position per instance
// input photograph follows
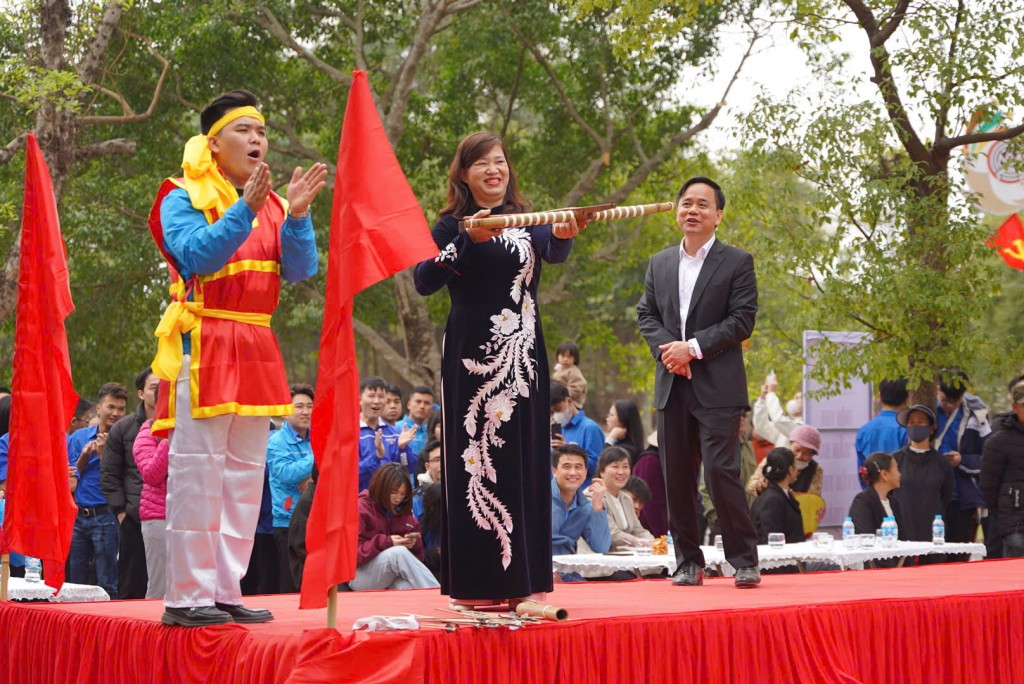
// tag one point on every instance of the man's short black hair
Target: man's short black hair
(115, 390)
(141, 377)
(83, 408)
(703, 180)
(1013, 383)
(423, 389)
(373, 382)
(302, 388)
(569, 347)
(559, 392)
(222, 105)
(638, 489)
(393, 389)
(569, 450)
(953, 383)
(893, 392)
(5, 390)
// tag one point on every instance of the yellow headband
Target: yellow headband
(235, 114)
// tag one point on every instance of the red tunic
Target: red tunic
(236, 364)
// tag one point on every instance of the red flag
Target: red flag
(40, 511)
(1009, 242)
(377, 230)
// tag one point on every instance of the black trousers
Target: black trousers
(132, 576)
(285, 585)
(688, 434)
(261, 575)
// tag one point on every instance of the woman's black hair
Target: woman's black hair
(612, 454)
(430, 520)
(5, 414)
(777, 464)
(874, 465)
(634, 441)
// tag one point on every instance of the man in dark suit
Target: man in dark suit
(708, 291)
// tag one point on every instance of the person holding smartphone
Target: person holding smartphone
(570, 425)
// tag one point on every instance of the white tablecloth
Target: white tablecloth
(20, 590)
(598, 564)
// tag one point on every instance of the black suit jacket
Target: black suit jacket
(721, 315)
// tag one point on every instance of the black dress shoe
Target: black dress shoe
(243, 614)
(688, 574)
(201, 616)
(747, 578)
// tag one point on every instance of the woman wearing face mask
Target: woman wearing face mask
(804, 441)
(926, 476)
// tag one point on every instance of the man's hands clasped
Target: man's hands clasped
(302, 189)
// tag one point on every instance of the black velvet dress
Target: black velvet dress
(496, 527)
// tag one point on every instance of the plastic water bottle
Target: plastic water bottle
(670, 547)
(895, 540)
(849, 534)
(887, 530)
(33, 569)
(938, 531)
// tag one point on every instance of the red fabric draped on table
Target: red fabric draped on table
(909, 624)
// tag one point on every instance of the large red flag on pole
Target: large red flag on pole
(1009, 242)
(40, 511)
(377, 230)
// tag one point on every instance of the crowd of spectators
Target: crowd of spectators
(608, 491)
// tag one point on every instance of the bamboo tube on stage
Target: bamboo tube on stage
(5, 574)
(542, 610)
(332, 607)
(601, 212)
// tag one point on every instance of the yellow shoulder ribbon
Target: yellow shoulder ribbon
(205, 184)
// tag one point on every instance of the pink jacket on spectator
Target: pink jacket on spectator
(151, 459)
(376, 528)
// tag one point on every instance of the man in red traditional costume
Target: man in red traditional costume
(228, 240)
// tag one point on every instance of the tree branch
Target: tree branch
(883, 78)
(647, 167)
(129, 115)
(92, 63)
(105, 148)
(269, 22)
(972, 138)
(407, 370)
(13, 148)
(947, 91)
(297, 148)
(895, 19)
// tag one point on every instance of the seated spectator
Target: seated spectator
(390, 551)
(576, 427)
(430, 526)
(776, 509)
(871, 506)
(379, 442)
(883, 433)
(770, 421)
(654, 516)
(613, 470)
(567, 371)
(290, 464)
(428, 473)
(150, 454)
(926, 477)
(1002, 474)
(297, 531)
(574, 516)
(640, 493)
(805, 441)
(625, 429)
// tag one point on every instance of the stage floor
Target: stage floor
(949, 623)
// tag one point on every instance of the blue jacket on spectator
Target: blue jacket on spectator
(584, 432)
(881, 433)
(88, 493)
(290, 461)
(578, 520)
(369, 461)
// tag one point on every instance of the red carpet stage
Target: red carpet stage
(941, 623)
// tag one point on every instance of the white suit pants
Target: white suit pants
(214, 489)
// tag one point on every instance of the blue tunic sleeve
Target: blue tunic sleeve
(298, 249)
(198, 246)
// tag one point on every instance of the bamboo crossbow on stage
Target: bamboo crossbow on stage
(597, 212)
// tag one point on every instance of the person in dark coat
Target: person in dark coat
(1002, 474)
(881, 474)
(926, 477)
(776, 509)
(297, 531)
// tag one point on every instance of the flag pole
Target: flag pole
(5, 574)
(332, 603)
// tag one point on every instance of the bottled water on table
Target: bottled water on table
(33, 569)
(849, 534)
(938, 531)
(888, 529)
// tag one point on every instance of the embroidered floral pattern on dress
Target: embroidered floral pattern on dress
(509, 364)
(449, 253)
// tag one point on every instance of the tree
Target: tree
(57, 68)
